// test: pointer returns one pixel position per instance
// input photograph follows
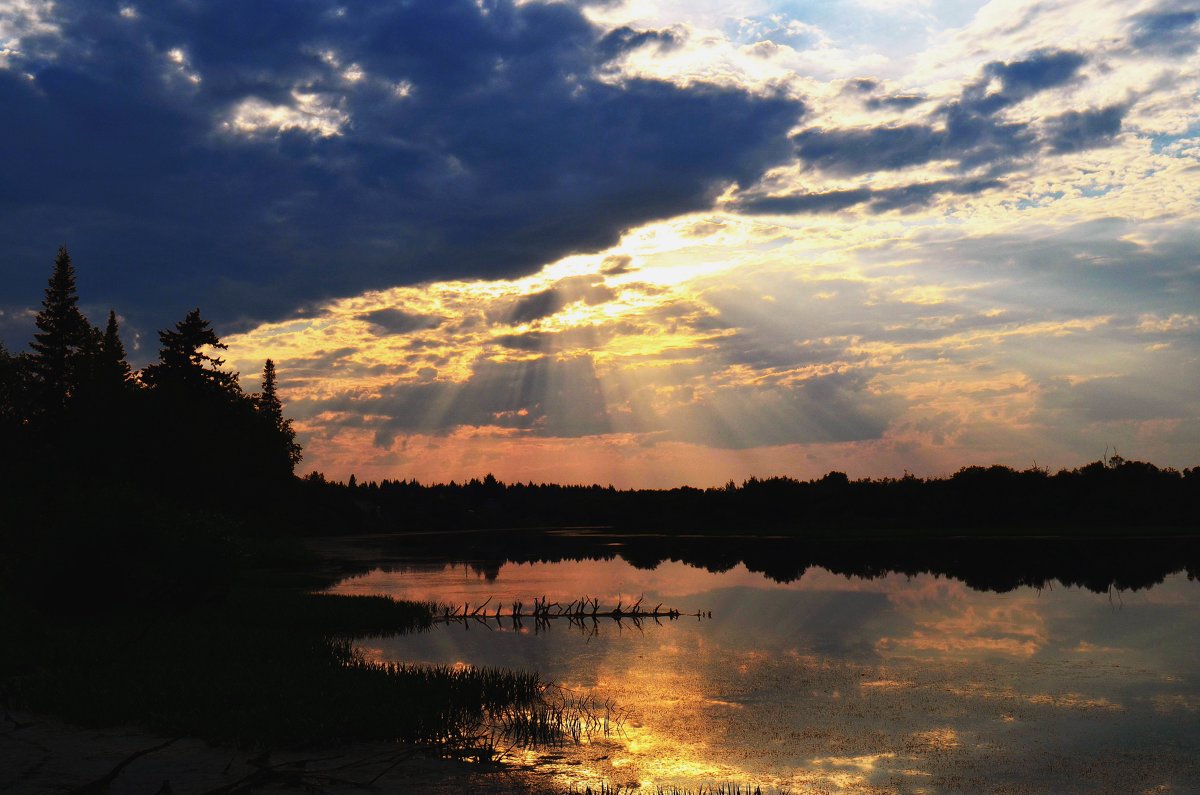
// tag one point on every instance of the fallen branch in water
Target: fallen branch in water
(578, 611)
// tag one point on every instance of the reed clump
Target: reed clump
(559, 716)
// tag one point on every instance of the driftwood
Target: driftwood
(578, 611)
(309, 775)
(102, 784)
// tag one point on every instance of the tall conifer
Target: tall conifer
(182, 362)
(61, 333)
(268, 399)
(114, 368)
(271, 409)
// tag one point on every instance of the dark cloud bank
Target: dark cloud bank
(968, 132)
(1171, 28)
(507, 151)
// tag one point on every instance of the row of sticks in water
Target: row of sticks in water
(578, 610)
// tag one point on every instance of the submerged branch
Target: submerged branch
(576, 612)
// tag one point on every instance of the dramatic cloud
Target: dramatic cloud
(969, 132)
(625, 39)
(831, 408)
(991, 132)
(878, 200)
(897, 102)
(935, 349)
(1172, 31)
(1122, 398)
(397, 321)
(1075, 131)
(645, 243)
(545, 303)
(545, 396)
(258, 156)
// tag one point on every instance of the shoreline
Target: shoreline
(46, 755)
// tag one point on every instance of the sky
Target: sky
(639, 242)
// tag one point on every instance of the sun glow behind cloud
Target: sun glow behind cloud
(964, 328)
(718, 345)
(954, 310)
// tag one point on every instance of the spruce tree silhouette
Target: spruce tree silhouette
(104, 405)
(114, 370)
(62, 334)
(205, 428)
(268, 399)
(182, 365)
(197, 412)
(270, 408)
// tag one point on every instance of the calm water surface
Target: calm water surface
(836, 684)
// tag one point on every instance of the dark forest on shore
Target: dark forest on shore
(1109, 497)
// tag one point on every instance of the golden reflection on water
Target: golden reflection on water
(848, 772)
(893, 685)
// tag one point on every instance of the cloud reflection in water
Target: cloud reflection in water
(848, 685)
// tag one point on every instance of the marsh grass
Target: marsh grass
(558, 716)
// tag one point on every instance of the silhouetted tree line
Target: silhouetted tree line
(118, 480)
(77, 422)
(1105, 497)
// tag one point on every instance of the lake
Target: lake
(894, 683)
